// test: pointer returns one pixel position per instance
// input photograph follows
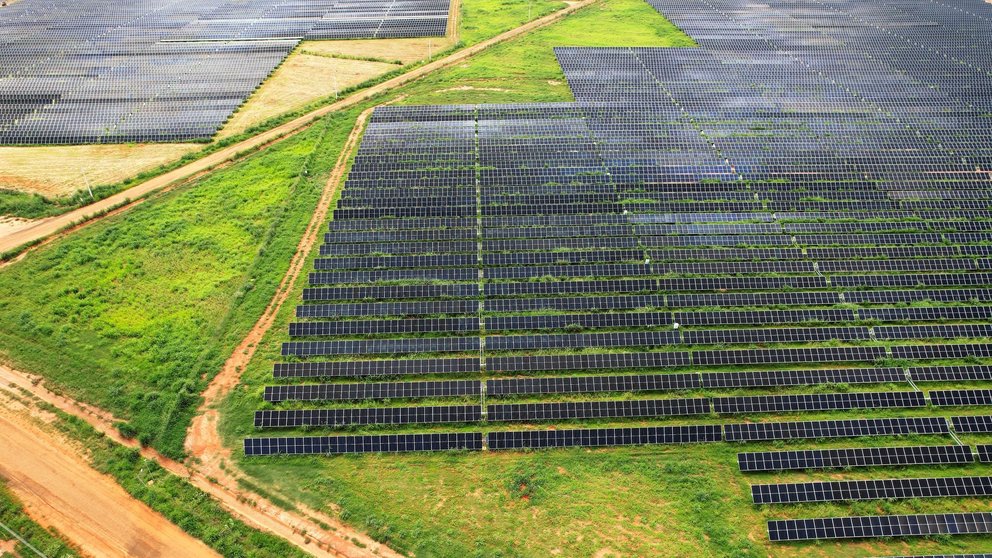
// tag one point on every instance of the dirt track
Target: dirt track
(43, 228)
(58, 488)
(301, 531)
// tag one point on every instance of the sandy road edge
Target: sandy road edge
(91, 213)
(250, 508)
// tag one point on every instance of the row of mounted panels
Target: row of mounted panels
(643, 408)
(603, 437)
(622, 384)
(626, 361)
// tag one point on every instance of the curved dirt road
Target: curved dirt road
(42, 228)
(58, 488)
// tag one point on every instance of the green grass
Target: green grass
(526, 70)
(482, 19)
(14, 518)
(193, 510)
(136, 313)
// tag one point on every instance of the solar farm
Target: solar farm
(493, 278)
(98, 71)
(793, 218)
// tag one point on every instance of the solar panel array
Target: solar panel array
(792, 218)
(99, 71)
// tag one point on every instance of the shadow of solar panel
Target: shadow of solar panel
(879, 526)
(600, 437)
(845, 428)
(818, 402)
(597, 409)
(871, 489)
(853, 457)
(372, 415)
(383, 443)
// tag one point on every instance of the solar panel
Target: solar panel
(384, 443)
(871, 489)
(797, 460)
(879, 526)
(381, 390)
(360, 368)
(774, 378)
(371, 415)
(950, 373)
(597, 409)
(599, 437)
(591, 384)
(975, 424)
(846, 428)
(985, 453)
(818, 402)
(960, 397)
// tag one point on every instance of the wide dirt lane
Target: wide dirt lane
(58, 489)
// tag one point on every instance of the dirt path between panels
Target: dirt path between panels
(43, 228)
(58, 488)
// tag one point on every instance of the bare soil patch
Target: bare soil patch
(403, 50)
(309, 74)
(55, 171)
(59, 489)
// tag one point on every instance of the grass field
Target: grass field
(525, 70)
(136, 313)
(13, 518)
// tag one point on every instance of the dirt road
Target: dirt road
(302, 529)
(43, 228)
(59, 489)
